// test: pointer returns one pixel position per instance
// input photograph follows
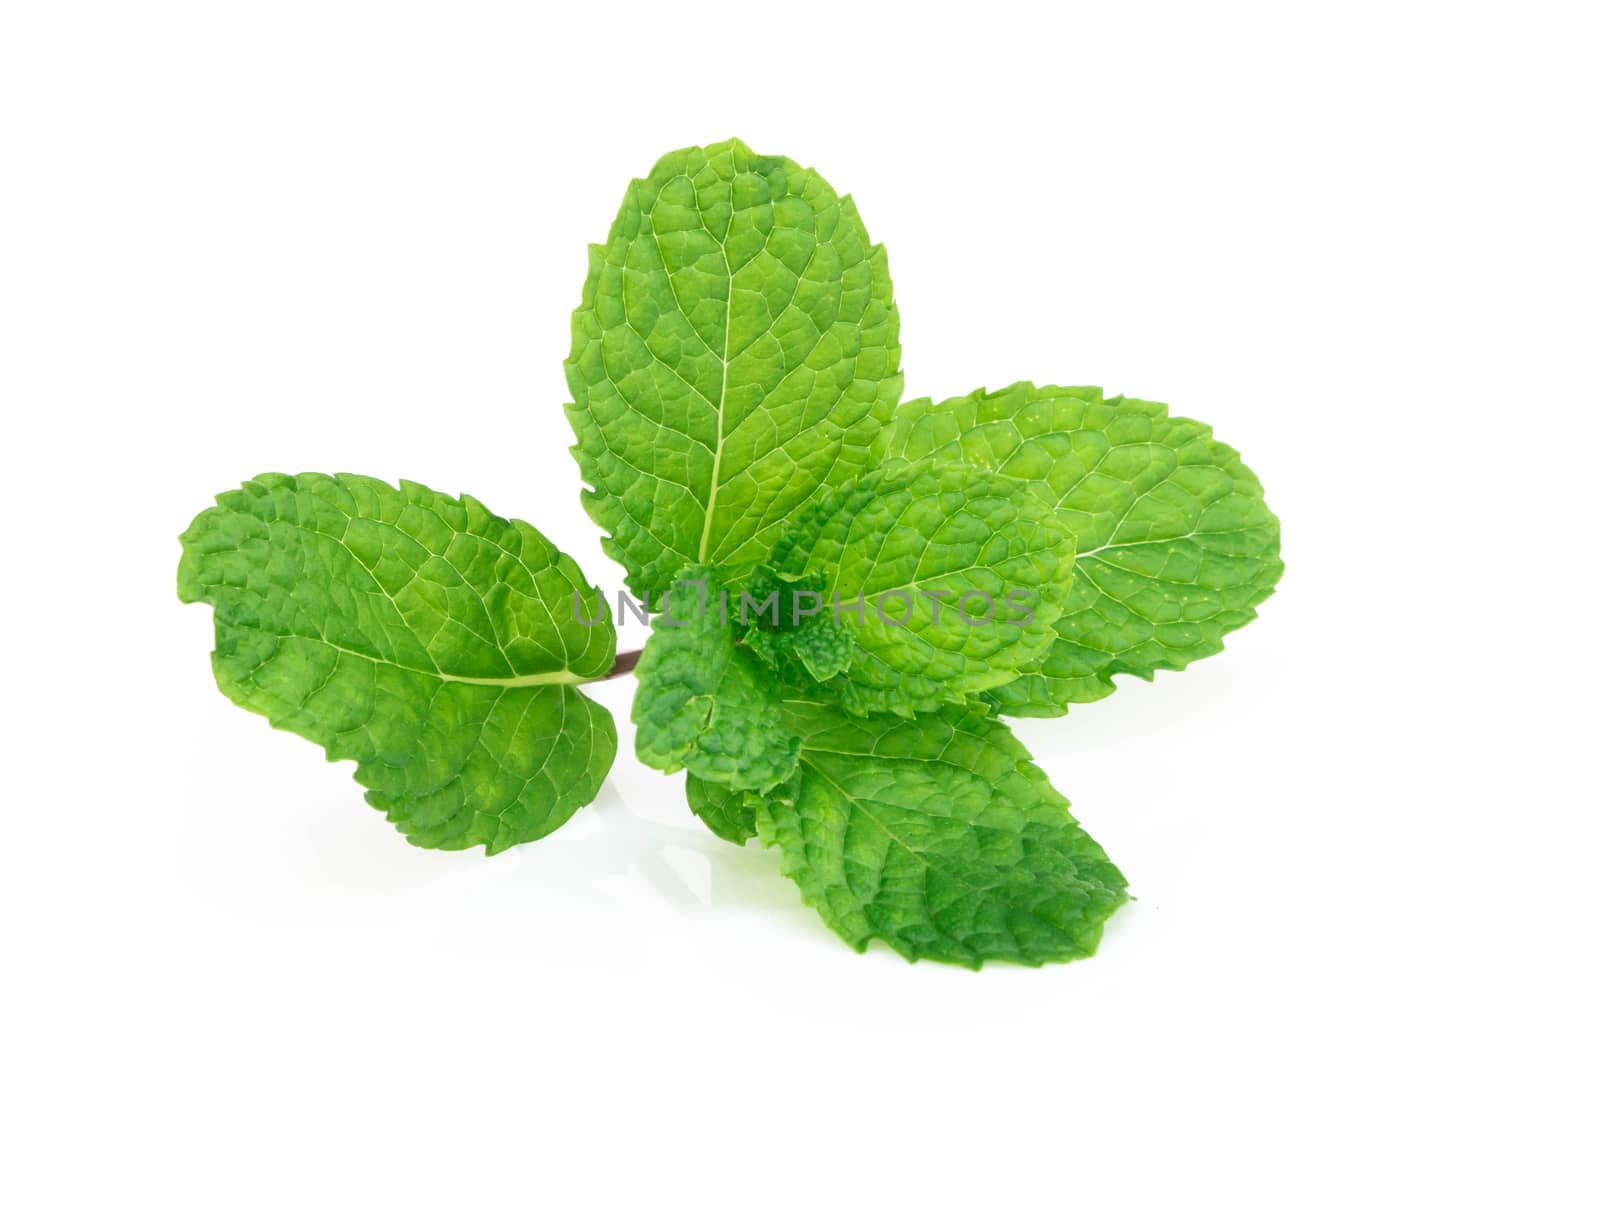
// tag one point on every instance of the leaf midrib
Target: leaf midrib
(722, 399)
(543, 679)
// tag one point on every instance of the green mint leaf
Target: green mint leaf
(789, 626)
(737, 348)
(939, 836)
(727, 812)
(948, 578)
(822, 648)
(702, 702)
(430, 641)
(1176, 547)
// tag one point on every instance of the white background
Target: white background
(1361, 242)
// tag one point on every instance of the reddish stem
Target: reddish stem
(623, 665)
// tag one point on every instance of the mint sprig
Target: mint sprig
(734, 374)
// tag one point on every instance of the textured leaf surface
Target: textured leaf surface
(736, 349)
(955, 575)
(1176, 547)
(726, 811)
(939, 836)
(791, 626)
(701, 702)
(419, 635)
